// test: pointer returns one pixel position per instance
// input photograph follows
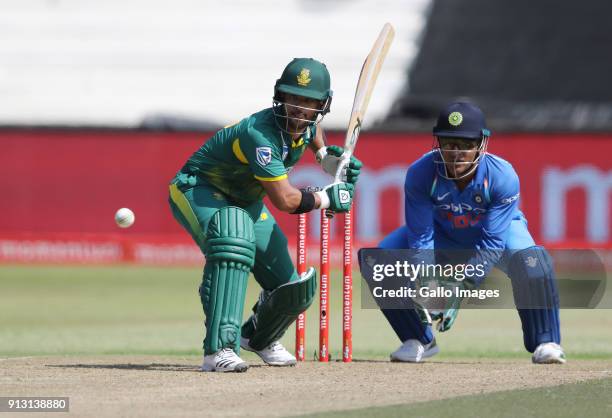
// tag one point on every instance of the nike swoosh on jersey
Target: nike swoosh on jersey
(443, 196)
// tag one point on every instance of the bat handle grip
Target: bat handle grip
(346, 159)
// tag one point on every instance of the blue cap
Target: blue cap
(461, 120)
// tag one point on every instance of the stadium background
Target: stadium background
(102, 102)
(101, 108)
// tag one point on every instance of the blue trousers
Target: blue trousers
(539, 325)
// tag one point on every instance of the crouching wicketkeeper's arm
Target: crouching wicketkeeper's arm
(285, 197)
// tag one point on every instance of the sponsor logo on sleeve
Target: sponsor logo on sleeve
(264, 155)
(510, 199)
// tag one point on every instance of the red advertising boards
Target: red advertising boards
(67, 184)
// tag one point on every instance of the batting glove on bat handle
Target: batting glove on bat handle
(336, 162)
(337, 197)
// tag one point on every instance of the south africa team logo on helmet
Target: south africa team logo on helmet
(303, 78)
(455, 118)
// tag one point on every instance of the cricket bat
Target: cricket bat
(367, 80)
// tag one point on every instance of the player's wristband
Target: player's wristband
(320, 154)
(324, 199)
(307, 203)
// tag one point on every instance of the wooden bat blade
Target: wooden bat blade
(367, 80)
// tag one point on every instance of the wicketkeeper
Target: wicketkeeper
(459, 197)
(218, 198)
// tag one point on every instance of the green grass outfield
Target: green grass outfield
(156, 310)
(585, 399)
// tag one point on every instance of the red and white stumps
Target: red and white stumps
(300, 325)
(325, 286)
(347, 290)
(324, 289)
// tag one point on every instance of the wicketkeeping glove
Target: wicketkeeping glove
(330, 158)
(446, 317)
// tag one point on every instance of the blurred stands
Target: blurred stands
(187, 63)
(531, 65)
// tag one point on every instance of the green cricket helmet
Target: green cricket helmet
(306, 77)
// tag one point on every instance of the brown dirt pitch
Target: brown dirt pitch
(150, 386)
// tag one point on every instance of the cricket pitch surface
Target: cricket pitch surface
(148, 386)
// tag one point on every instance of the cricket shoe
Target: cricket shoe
(413, 351)
(224, 360)
(274, 354)
(548, 353)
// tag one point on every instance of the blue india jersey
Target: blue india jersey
(439, 215)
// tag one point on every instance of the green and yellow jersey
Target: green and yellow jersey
(239, 156)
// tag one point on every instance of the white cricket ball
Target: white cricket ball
(124, 218)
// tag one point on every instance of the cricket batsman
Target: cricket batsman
(459, 197)
(217, 196)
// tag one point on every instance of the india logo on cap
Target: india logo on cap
(455, 118)
(303, 77)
